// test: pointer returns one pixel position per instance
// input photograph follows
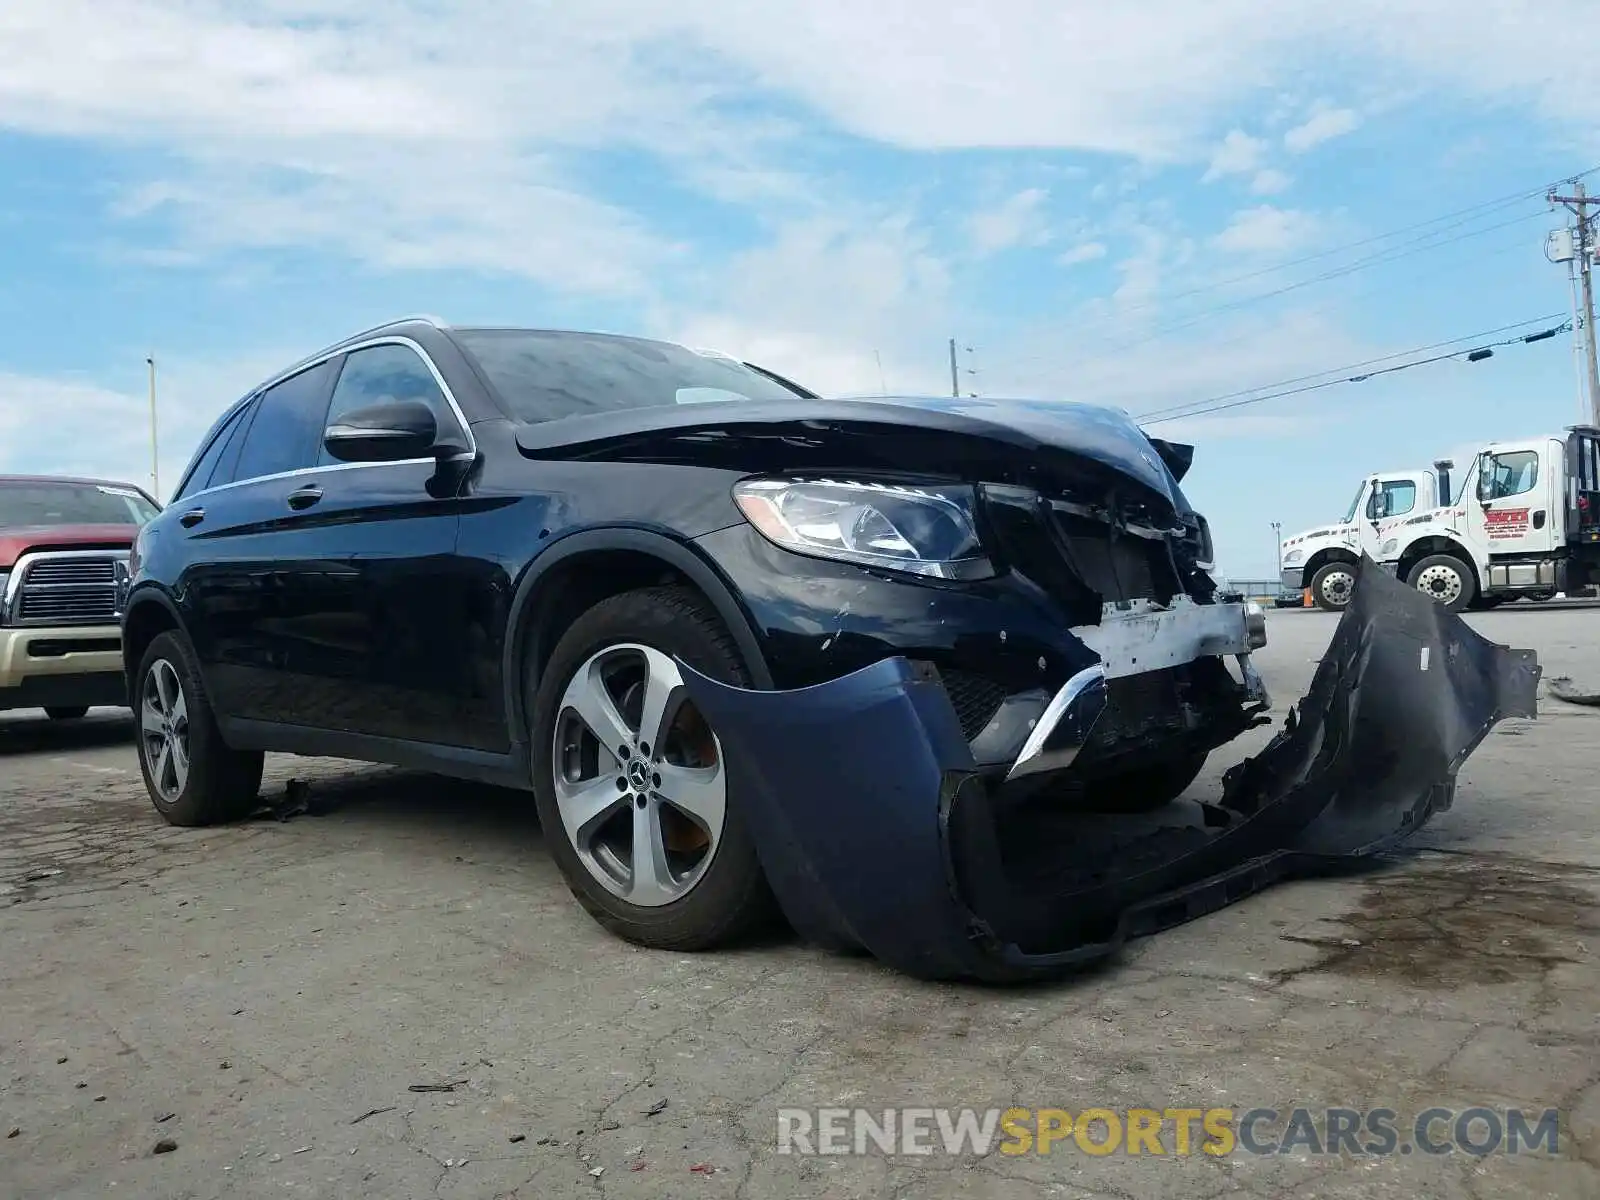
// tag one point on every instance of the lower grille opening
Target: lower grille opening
(58, 647)
(975, 699)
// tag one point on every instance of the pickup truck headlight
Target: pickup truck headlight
(921, 530)
(1293, 557)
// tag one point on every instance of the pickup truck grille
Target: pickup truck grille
(66, 588)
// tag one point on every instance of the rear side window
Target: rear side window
(383, 375)
(199, 476)
(287, 427)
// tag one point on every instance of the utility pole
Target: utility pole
(1579, 203)
(1277, 533)
(955, 372)
(155, 456)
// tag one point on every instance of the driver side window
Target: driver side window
(383, 375)
(1514, 474)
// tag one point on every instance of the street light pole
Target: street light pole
(1277, 534)
(155, 457)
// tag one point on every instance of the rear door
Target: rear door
(242, 535)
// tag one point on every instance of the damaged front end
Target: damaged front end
(879, 831)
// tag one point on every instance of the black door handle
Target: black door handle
(192, 518)
(305, 497)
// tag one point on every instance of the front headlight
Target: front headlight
(922, 530)
(1294, 556)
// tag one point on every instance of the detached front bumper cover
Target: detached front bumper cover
(877, 832)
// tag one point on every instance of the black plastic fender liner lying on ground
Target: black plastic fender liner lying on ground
(877, 831)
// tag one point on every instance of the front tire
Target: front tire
(67, 712)
(631, 784)
(192, 776)
(1333, 585)
(1445, 579)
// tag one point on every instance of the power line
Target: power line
(1446, 222)
(1350, 268)
(1134, 367)
(1180, 410)
(1472, 356)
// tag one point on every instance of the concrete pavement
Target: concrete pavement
(266, 996)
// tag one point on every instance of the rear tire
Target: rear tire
(1333, 585)
(706, 888)
(64, 712)
(192, 776)
(1444, 578)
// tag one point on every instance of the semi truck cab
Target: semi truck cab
(1526, 523)
(1324, 558)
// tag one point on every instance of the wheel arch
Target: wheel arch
(586, 567)
(151, 612)
(1322, 558)
(1432, 544)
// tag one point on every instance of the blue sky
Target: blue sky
(1149, 207)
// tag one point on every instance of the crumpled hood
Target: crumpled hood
(1033, 442)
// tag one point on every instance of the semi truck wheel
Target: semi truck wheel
(1332, 586)
(1445, 579)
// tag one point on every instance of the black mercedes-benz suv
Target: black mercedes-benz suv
(523, 556)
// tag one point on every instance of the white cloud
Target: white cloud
(1239, 154)
(1082, 253)
(434, 133)
(1016, 221)
(1270, 182)
(1323, 125)
(1267, 230)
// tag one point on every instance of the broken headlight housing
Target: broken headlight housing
(922, 530)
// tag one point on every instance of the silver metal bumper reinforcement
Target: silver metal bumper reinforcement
(1134, 640)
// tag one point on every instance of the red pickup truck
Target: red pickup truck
(64, 547)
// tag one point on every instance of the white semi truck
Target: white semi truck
(1525, 522)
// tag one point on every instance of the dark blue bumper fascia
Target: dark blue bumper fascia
(877, 831)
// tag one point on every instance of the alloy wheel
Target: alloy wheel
(1440, 583)
(164, 730)
(1337, 586)
(638, 776)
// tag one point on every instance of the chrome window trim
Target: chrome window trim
(317, 361)
(11, 597)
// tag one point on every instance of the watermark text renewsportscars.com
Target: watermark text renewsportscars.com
(1370, 1132)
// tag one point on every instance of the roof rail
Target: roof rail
(329, 349)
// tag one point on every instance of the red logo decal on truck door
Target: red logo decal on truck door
(1506, 522)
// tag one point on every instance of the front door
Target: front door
(1518, 515)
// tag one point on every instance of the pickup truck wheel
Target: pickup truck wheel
(632, 788)
(67, 712)
(1445, 579)
(192, 776)
(1147, 789)
(1332, 586)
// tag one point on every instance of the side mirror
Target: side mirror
(383, 433)
(1380, 505)
(1486, 481)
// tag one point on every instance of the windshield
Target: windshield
(541, 376)
(49, 503)
(1356, 503)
